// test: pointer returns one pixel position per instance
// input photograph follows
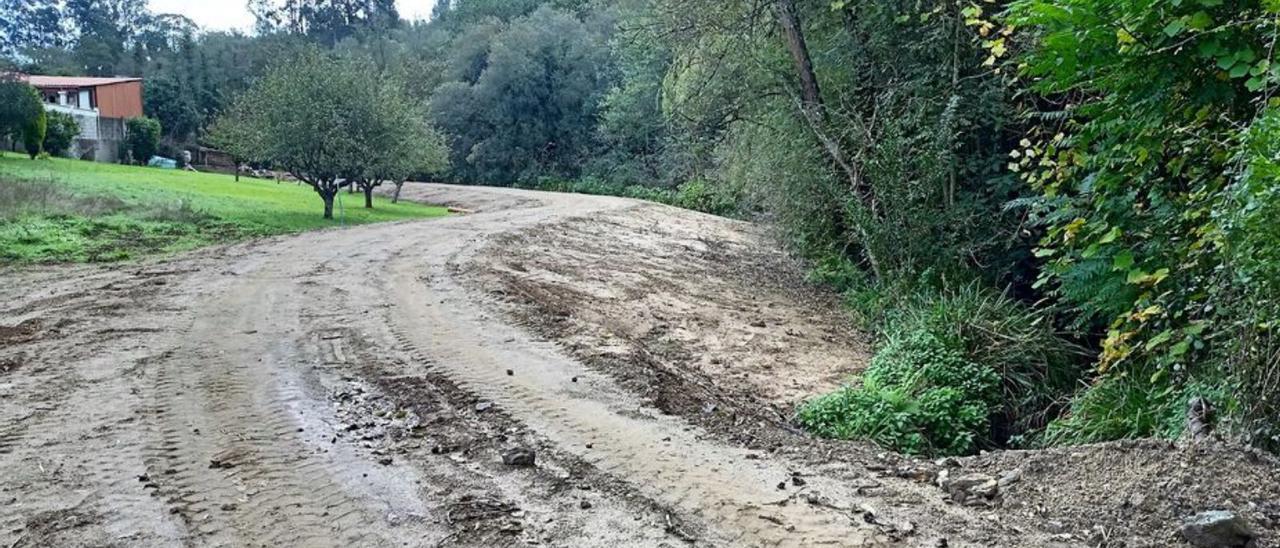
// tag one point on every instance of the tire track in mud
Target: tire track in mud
(229, 454)
(587, 415)
(61, 389)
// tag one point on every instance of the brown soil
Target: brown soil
(362, 387)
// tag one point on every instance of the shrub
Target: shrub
(959, 370)
(62, 130)
(33, 134)
(1038, 368)
(1129, 406)
(919, 396)
(20, 107)
(702, 196)
(142, 138)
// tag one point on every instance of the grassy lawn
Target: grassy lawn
(59, 210)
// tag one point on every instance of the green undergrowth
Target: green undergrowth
(58, 210)
(957, 370)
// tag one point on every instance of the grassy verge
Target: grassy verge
(59, 210)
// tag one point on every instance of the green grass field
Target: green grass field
(58, 210)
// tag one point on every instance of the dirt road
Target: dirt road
(386, 386)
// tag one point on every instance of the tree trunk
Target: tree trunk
(789, 20)
(368, 197)
(328, 205)
(395, 196)
(815, 115)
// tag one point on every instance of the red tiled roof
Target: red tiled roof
(73, 81)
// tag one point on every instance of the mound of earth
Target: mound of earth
(709, 319)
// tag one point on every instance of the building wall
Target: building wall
(123, 100)
(99, 138)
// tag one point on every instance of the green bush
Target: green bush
(33, 134)
(700, 195)
(1131, 406)
(920, 396)
(61, 130)
(959, 370)
(142, 138)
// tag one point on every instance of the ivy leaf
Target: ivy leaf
(1158, 340)
(1122, 260)
(1110, 236)
(1200, 20)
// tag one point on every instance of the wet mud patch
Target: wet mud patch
(69, 528)
(460, 446)
(23, 332)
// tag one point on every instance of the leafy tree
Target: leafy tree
(174, 106)
(61, 132)
(33, 133)
(396, 140)
(142, 138)
(22, 116)
(532, 111)
(105, 30)
(324, 120)
(328, 21)
(31, 24)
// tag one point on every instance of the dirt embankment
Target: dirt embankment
(710, 321)
(387, 385)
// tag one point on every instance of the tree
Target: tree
(31, 24)
(397, 140)
(61, 132)
(22, 116)
(533, 110)
(328, 21)
(142, 138)
(303, 117)
(106, 29)
(33, 134)
(173, 105)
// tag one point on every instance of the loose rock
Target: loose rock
(1218, 529)
(969, 489)
(520, 456)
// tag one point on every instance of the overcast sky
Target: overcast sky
(233, 14)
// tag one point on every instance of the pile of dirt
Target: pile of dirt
(704, 316)
(1134, 493)
(709, 320)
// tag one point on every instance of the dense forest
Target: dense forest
(1060, 218)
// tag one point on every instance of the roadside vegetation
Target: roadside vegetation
(56, 210)
(1059, 218)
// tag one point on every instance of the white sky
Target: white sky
(234, 14)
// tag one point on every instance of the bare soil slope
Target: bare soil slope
(385, 386)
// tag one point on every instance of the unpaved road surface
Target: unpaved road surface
(376, 386)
